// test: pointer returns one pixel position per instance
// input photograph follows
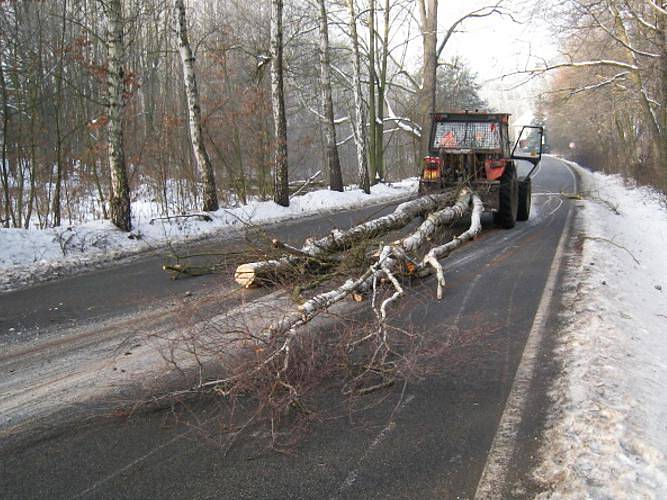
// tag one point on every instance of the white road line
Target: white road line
(499, 458)
(127, 467)
(379, 439)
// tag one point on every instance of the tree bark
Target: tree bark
(428, 13)
(372, 118)
(264, 272)
(210, 199)
(120, 191)
(59, 104)
(654, 121)
(360, 136)
(388, 264)
(382, 85)
(8, 212)
(662, 47)
(333, 161)
(280, 165)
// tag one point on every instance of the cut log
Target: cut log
(264, 273)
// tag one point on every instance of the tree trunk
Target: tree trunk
(280, 172)
(333, 161)
(120, 191)
(360, 138)
(428, 11)
(8, 212)
(662, 47)
(59, 104)
(210, 198)
(635, 76)
(372, 118)
(382, 84)
(263, 272)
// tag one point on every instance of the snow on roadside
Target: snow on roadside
(28, 256)
(607, 437)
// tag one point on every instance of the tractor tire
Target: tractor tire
(525, 193)
(508, 208)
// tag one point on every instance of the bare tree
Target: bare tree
(333, 161)
(280, 173)
(624, 63)
(359, 127)
(428, 15)
(120, 190)
(210, 202)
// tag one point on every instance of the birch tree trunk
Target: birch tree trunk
(260, 273)
(360, 136)
(202, 158)
(280, 172)
(120, 191)
(428, 13)
(333, 161)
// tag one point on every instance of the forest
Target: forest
(196, 105)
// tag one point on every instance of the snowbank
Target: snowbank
(608, 436)
(31, 255)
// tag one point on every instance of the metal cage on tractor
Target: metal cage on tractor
(474, 149)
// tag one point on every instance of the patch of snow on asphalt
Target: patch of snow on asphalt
(30, 255)
(608, 435)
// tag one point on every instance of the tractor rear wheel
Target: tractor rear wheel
(508, 199)
(525, 193)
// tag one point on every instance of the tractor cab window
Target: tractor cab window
(466, 135)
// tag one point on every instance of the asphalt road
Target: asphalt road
(429, 439)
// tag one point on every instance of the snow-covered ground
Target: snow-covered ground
(608, 435)
(31, 255)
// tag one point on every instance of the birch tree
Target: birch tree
(359, 126)
(332, 159)
(120, 191)
(280, 172)
(210, 198)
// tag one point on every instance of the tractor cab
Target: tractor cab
(475, 149)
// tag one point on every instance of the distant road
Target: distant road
(436, 446)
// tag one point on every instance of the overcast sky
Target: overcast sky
(496, 45)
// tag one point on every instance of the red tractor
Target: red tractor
(474, 149)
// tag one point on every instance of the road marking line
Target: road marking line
(134, 462)
(502, 449)
(379, 439)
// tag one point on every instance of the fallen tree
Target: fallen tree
(264, 352)
(391, 264)
(321, 250)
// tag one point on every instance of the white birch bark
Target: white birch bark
(265, 272)
(204, 166)
(120, 191)
(433, 257)
(387, 266)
